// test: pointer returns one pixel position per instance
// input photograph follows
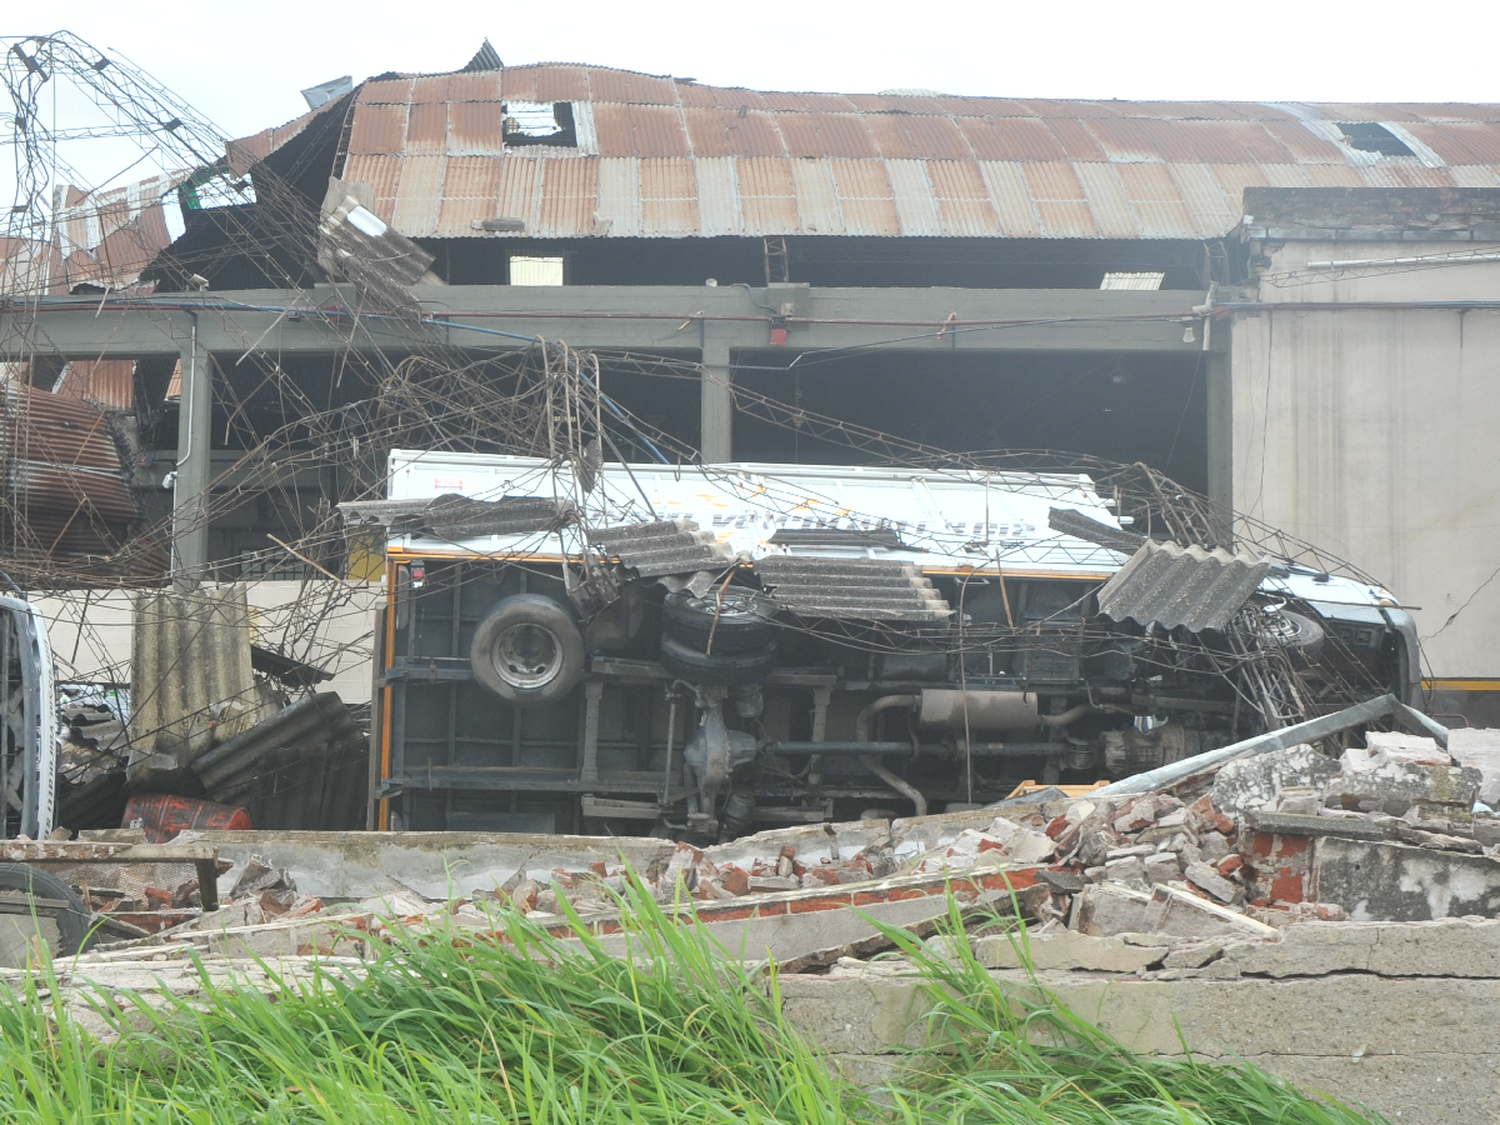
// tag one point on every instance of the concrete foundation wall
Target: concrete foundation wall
(1370, 432)
(1401, 1019)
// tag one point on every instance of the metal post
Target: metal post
(190, 485)
(716, 401)
(1220, 444)
(593, 694)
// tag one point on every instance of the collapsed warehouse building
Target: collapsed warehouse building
(906, 279)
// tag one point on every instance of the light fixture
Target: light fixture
(1187, 333)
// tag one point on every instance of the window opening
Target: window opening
(528, 269)
(539, 123)
(1371, 136)
(1147, 280)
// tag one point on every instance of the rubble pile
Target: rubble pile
(1396, 829)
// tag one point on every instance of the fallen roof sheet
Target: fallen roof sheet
(853, 590)
(662, 547)
(1188, 587)
(654, 156)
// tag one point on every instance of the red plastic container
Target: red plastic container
(162, 816)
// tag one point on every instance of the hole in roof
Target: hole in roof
(539, 123)
(1371, 136)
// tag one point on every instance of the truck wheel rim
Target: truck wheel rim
(527, 656)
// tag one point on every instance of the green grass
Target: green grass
(447, 1028)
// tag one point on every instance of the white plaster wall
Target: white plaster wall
(324, 623)
(1376, 433)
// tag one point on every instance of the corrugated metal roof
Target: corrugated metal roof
(1028, 168)
(1171, 586)
(458, 517)
(662, 547)
(853, 590)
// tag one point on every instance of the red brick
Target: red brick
(1288, 886)
(771, 909)
(598, 868)
(1261, 844)
(808, 906)
(735, 880)
(896, 894)
(865, 898)
(1288, 846)
(1058, 826)
(1230, 864)
(825, 875)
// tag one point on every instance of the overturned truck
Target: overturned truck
(705, 650)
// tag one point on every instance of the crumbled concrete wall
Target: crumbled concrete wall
(1398, 882)
(1400, 1017)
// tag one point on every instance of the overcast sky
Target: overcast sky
(242, 64)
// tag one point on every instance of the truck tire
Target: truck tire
(528, 651)
(743, 620)
(1299, 634)
(36, 906)
(727, 669)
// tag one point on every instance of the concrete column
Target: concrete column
(190, 508)
(716, 401)
(1220, 437)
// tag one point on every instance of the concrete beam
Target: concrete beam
(651, 318)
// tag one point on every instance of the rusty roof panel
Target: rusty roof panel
(1107, 200)
(474, 129)
(378, 129)
(427, 129)
(1235, 178)
(1012, 199)
(418, 195)
(1047, 168)
(778, 101)
(1015, 138)
(1332, 175)
(913, 194)
(845, 136)
(1064, 219)
(718, 196)
(963, 201)
(817, 198)
(569, 197)
(627, 86)
(1158, 218)
(658, 130)
(709, 131)
(1052, 181)
(939, 138)
(1302, 144)
(393, 91)
(799, 135)
(473, 86)
(383, 174)
(891, 136)
(612, 124)
(1285, 175)
(768, 197)
(429, 89)
(471, 190)
(1211, 211)
(108, 383)
(520, 188)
